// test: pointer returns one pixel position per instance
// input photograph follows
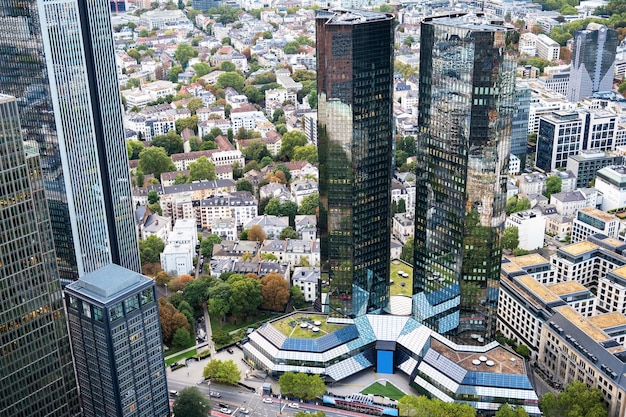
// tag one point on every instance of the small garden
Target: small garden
(401, 278)
(305, 326)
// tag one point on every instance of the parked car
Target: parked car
(267, 400)
(215, 394)
(244, 411)
(229, 350)
(221, 405)
(225, 410)
(174, 393)
(293, 405)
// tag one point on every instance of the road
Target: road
(236, 398)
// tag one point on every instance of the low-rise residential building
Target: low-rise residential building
(272, 225)
(177, 259)
(303, 188)
(218, 158)
(403, 227)
(558, 226)
(276, 190)
(531, 183)
(567, 203)
(295, 252)
(258, 268)
(150, 223)
(225, 228)
(240, 205)
(589, 221)
(531, 228)
(306, 226)
(306, 278)
(236, 249)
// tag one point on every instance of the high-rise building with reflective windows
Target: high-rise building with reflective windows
(467, 87)
(58, 60)
(36, 370)
(355, 138)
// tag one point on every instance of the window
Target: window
(86, 309)
(116, 312)
(97, 313)
(147, 296)
(131, 304)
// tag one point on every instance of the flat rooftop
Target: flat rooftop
(602, 215)
(292, 326)
(579, 248)
(529, 260)
(620, 272)
(538, 289)
(587, 326)
(108, 283)
(511, 267)
(567, 287)
(500, 356)
(608, 320)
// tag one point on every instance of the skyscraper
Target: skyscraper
(519, 132)
(467, 87)
(116, 336)
(355, 138)
(593, 61)
(58, 60)
(36, 369)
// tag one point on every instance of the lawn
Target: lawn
(290, 326)
(398, 280)
(179, 357)
(388, 390)
(229, 327)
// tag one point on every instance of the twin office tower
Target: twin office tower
(466, 93)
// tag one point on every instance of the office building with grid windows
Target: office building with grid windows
(355, 139)
(467, 88)
(58, 61)
(36, 369)
(116, 337)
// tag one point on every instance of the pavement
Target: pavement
(191, 374)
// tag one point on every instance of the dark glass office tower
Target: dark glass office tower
(58, 60)
(467, 87)
(519, 132)
(355, 135)
(36, 369)
(593, 61)
(116, 336)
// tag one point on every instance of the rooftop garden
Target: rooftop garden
(306, 326)
(401, 278)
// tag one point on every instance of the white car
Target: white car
(293, 405)
(244, 411)
(225, 410)
(267, 400)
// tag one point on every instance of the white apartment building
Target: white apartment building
(515, 165)
(218, 158)
(531, 227)
(247, 120)
(589, 221)
(403, 227)
(240, 205)
(531, 183)
(272, 225)
(279, 96)
(602, 126)
(612, 293)
(306, 278)
(567, 203)
(528, 44)
(306, 226)
(177, 259)
(547, 48)
(293, 251)
(611, 182)
(225, 228)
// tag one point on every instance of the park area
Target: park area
(401, 278)
(305, 326)
(384, 389)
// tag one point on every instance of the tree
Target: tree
(301, 385)
(134, 147)
(207, 244)
(297, 298)
(254, 94)
(201, 69)
(153, 197)
(161, 278)
(150, 249)
(289, 141)
(578, 400)
(182, 338)
(275, 292)
(408, 251)
(155, 161)
(245, 296)
(181, 179)
(273, 207)
(256, 233)
(194, 104)
(288, 233)
(173, 73)
(515, 204)
(510, 238)
(191, 403)
(202, 169)
(553, 185)
(186, 123)
(306, 153)
(523, 350)
(183, 53)
(223, 371)
(421, 406)
(228, 66)
(180, 282)
(230, 79)
(171, 142)
(219, 300)
(508, 411)
(309, 204)
(289, 209)
(196, 293)
(245, 185)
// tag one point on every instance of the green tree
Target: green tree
(408, 251)
(182, 338)
(510, 238)
(508, 411)
(245, 297)
(134, 148)
(301, 385)
(297, 298)
(184, 53)
(223, 371)
(191, 402)
(523, 350)
(515, 204)
(193, 105)
(202, 169)
(186, 123)
(290, 48)
(230, 79)
(288, 233)
(289, 209)
(219, 300)
(306, 153)
(150, 249)
(172, 74)
(153, 197)
(155, 161)
(201, 69)
(289, 141)
(228, 66)
(273, 207)
(207, 244)
(254, 94)
(172, 142)
(577, 400)
(181, 179)
(196, 293)
(244, 185)
(255, 151)
(309, 204)
(421, 406)
(553, 185)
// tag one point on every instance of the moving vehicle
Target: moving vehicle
(267, 400)
(293, 405)
(215, 394)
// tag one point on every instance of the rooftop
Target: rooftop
(351, 16)
(538, 289)
(108, 283)
(529, 260)
(500, 356)
(608, 320)
(579, 248)
(587, 326)
(292, 326)
(620, 272)
(598, 214)
(567, 287)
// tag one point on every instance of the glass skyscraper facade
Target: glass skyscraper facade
(519, 135)
(467, 87)
(355, 138)
(116, 337)
(58, 60)
(593, 61)
(36, 369)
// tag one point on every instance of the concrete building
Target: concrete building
(240, 205)
(587, 163)
(567, 203)
(531, 227)
(307, 279)
(272, 225)
(547, 48)
(225, 228)
(611, 182)
(560, 135)
(177, 259)
(589, 221)
(306, 226)
(117, 345)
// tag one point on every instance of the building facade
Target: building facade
(355, 138)
(593, 61)
(36, 370)
(464, 143)
(59, 61)
(116, 339)
(586, 164)
(560, 135)
(519, 135)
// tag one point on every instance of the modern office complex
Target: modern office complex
(519, 132)
(58, 60)
(355, 138)
(36, 370)
(116, 337)
(467, 87)
(593, 61)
